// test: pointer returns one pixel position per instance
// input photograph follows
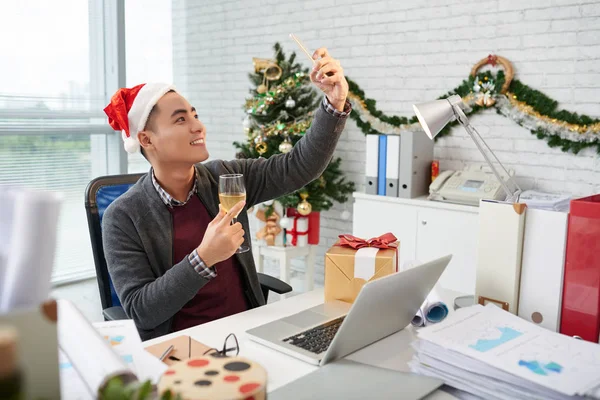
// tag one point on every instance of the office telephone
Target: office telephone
(468, 186)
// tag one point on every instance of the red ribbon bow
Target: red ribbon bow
(492, 59)
(295, 232)
(385, 241)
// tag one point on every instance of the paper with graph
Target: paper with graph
(496, 354)
(124, 339)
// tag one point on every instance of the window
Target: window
(47, 116)
(54, 134)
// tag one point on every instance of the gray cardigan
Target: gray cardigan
(137, 228)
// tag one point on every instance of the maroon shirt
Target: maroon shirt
(221, 296)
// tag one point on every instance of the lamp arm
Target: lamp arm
(512, 195)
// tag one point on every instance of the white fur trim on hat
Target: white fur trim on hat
(131, 145)
(146, 98)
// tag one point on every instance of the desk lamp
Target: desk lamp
(435, 115)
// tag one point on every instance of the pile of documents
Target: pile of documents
(114, 347)
(546, 201)
(490, 353)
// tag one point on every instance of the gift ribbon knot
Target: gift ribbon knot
(385, 241)
(295, 232)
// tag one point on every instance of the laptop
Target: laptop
(350, 380)
(333, 330)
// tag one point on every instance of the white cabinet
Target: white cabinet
(442, 232)
(426, 230)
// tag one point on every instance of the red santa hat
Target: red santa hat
(129, 109)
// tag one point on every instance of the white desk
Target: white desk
(392, 352)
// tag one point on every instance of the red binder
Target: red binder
(581, 291)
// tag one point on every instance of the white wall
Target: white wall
(402, 52)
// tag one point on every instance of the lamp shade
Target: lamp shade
(434, 115)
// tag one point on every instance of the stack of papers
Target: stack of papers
(488, 352)
(91, 354)
(546, 201)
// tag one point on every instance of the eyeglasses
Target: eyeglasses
(227, 351)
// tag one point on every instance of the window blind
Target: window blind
(51, 151)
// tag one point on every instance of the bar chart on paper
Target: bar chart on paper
(506, 334)
(123, 339)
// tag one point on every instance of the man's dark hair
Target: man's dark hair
(150, 123)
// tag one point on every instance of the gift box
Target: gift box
(305, 229)
(353, 261)
(297, 235)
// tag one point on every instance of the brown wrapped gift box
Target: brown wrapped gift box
(341, 282)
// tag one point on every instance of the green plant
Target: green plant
(116, 389)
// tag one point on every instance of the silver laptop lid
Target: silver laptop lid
(349, 380)
(384, 306)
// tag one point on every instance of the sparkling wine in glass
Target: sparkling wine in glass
(231, 192)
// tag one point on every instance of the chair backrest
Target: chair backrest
(99, 193)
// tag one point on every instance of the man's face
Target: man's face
(175, 132)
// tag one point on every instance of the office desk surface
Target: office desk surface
(392, 352)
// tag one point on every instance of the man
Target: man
(169, 248)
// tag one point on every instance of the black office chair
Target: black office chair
(99, 193)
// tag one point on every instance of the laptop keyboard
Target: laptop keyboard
(317, 339)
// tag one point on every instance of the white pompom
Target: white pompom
(345, 215)
(131, 145)
(285, 223)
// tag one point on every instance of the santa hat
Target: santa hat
(129, 109)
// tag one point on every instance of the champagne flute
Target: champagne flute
(231, 192)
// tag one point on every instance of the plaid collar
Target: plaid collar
(167, 198)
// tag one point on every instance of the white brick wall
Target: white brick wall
(402, 52)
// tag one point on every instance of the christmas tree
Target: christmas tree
(279, 112)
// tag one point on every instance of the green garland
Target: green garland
(550, 121)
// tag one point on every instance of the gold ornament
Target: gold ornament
(260, 145)
(261, 64)
(271, 72)
(264, 86)
(270, 69)
(304, 207)
(261, 89)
